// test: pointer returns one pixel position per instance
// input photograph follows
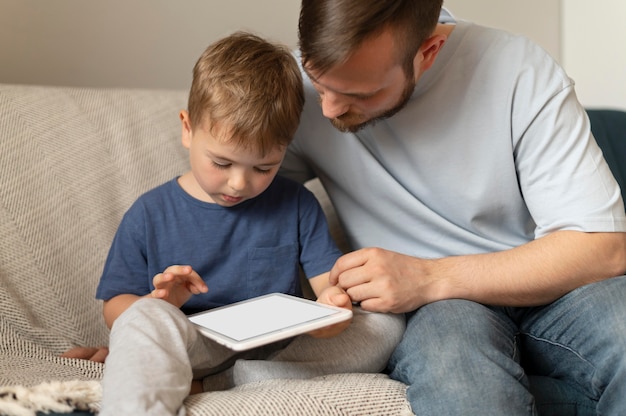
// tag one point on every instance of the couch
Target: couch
(72, 160)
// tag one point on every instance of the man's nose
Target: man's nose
(333, 105)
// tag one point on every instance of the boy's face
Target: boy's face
(222, 172)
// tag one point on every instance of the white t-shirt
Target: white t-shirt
(493, 150)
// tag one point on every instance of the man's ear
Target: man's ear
(186, 128)
(428, 52)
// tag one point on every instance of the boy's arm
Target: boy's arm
(330, 295)
(111, 310)
(115, 306)
(175, 285)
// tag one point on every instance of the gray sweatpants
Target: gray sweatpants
(155, 352)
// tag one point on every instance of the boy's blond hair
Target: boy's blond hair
(248, 91)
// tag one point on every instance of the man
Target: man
(463, 169)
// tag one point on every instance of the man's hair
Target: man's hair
(331, 30)
(248, 91)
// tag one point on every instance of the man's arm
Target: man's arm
(535, 273)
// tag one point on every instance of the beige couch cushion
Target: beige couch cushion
(71, 162)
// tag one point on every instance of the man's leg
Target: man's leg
(581, 339)
(461, 358)
(152, 349)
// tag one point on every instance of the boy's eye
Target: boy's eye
(264, 171)
(221, 165)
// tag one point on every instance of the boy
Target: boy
(225, 231)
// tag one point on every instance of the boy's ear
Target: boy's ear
(186, 128)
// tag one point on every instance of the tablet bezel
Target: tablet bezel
(337, 315)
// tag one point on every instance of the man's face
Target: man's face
(352, 121)
(371, 85)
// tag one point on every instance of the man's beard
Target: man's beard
(351, 123)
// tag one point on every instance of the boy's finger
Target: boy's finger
(100, 355)
(341, 300)
(199, 287)
(159, 293)
(177, 269)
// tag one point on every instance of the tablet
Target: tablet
(265, 319)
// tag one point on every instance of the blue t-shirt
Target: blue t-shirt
(243, 251)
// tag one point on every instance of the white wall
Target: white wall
(154, 43)
(594, 36)
(540, 20)
(586, 37)
(126, 43)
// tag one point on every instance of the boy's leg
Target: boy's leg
(365, 347)
(152, 349)
(461, 358)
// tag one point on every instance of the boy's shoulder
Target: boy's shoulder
(286, 183)
(288, 187)
(160, 196)
(165, 189)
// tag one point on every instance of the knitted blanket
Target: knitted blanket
(72, 160)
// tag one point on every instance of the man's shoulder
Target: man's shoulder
(496, 40)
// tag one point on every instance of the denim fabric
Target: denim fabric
(463, 358)
(555, 397)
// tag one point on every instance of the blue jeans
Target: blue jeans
(463, 358)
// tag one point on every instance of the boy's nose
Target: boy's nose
(237, 181)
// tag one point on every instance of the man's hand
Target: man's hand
(177, 284)
(382, 280)
(335, 296)
(96, 354)
(535, 273)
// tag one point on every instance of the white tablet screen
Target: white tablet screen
(268, 316)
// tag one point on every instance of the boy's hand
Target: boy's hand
(96, 354)
(336, 296)
(177, 284)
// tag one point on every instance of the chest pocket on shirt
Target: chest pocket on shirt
(273, 269)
